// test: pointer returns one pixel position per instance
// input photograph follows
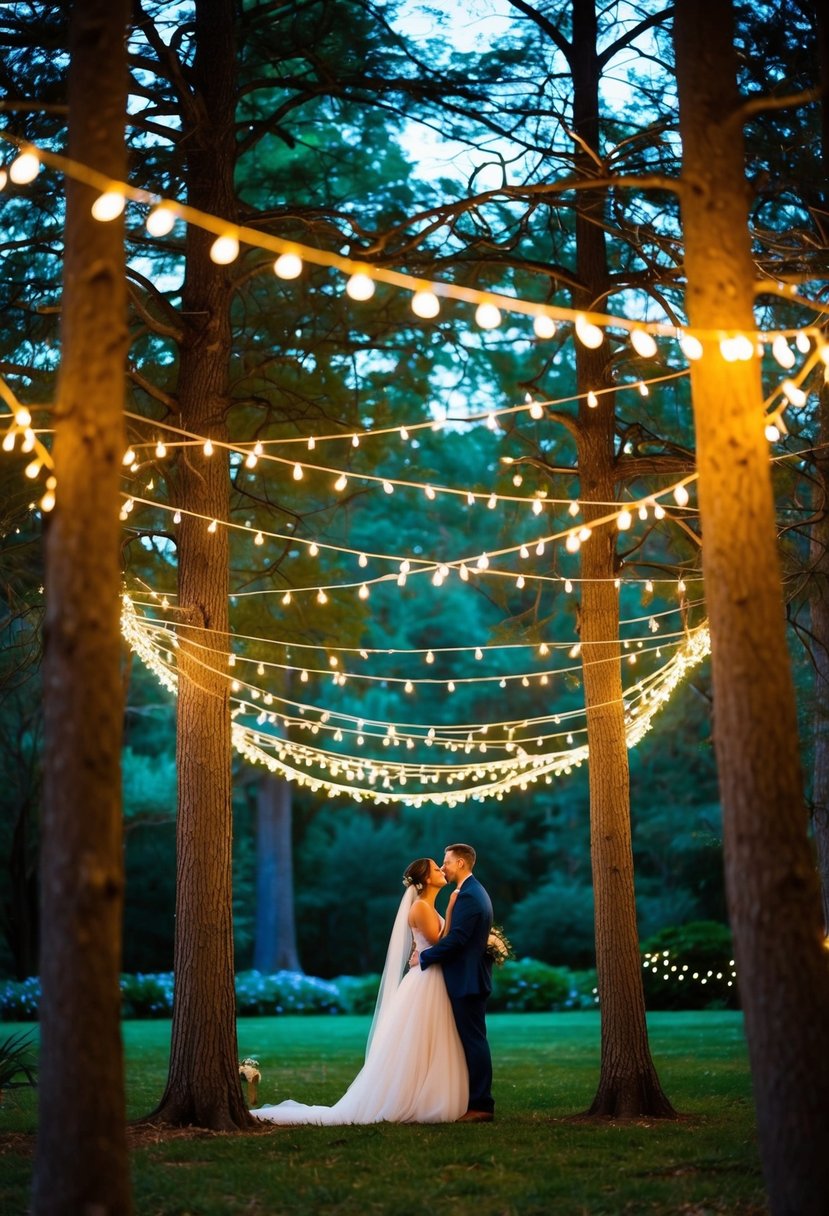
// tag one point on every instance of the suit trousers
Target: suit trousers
(470, 1017)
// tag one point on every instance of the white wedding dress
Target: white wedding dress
(415, 1071)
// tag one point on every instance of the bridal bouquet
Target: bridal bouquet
(498, 947)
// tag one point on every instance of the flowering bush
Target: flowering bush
(528, 986)
(19, 1000)
(147, 996)
(285, 992)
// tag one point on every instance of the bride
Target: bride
(415, 1071)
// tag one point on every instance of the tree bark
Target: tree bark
(275, 947)
(628, 1084)
(819, 612)
(81, 1156)
(772, 887)
(203, 1086)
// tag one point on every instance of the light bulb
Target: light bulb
(803, 343)
(792, 393)
(388, 487)
(425, 304)
(341, 482)
(363, 592)
(483, 562)
(487, 316)
(297, 474)
(643, 389)
(585, 534)
(224, 250)
(33, 469)
(492, 502)
(208, 447)
(544, 327)
(782, 352)
(8, 441)
(360, 286)
(691, 346)
(128, 457)
(429, 492)
(592, 400)
(22, 416)
(259, 539)
(643, 343)
(109, 205)
(589, 335)
(213, 525)
(160, 449)
(568, 586)
(430, 658)
(288, 266)
(772, 433)
(47, 502)
(322, 598)
(572, 544)
(536, 411)
(313, 549)
(659, 511)
(24, 168)
(161, 219)
(362, 561)
(681, 496)
(177, 517)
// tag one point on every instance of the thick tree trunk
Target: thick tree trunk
(628, 1084)
(81, 1157)
(203, 1085)
(275, 947)
(772, 887)
(819, 611)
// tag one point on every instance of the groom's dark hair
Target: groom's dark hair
(465, 851)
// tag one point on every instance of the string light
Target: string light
(161, 220)
(360, 286)
(109, 205)
(288, 266)
(25, 167)
(225, 249)
(425, 305)
(488, 315)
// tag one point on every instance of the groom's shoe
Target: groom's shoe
(476, 1116)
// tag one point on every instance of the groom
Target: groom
(468, 974)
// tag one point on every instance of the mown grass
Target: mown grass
(535, 1159)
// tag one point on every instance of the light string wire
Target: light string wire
(249, 743)
(115, 193)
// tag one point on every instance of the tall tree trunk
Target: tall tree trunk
(820, 533)
(819, 612)
(81, 1157)
(203, 1085)
(628, 1084)
(275, 947)
(772, 887)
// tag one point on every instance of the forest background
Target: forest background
(347, 161)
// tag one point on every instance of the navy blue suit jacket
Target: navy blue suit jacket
(461, 953)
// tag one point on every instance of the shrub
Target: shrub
(285, 992)
(147, 996)
(528, 986)
(690, 966)
(19, 1000)
(358, 993)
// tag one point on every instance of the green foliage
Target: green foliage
(18, 1067)
(147, 996)
(555, 922)
(358, 993)
(528, 986)
(690, 966)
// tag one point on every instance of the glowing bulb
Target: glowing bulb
(208, 447)
(520, 582)
(803, 343)
(47, 502)
(483, 562)
(161, 219)
(792, 393)
(544, 327)
(623, 520)
(109, 205)
(464, 573)
(568, 586)
(160, 449)
(313, 549)
(659, 511)
(538, 506)
(250, 460)
(322, 598)
(404, 434)
(288, 266)
(589, 335)
(691, 346)
(450, 687)
(8, 441)
(425, 304)
(681, 496)
(487, 316)
(355, 441)
(297, 472)
(388, 487)
(572, 544)
(33, 469)
(585, 534)
(360, 286)
(286, 599)
(224, 250)
(408, 686)
(592, 400)
(24, 168)
(363, 592)
(128, 457)
(429, 492)
(772, 433)
(536, 411)
(539, 549)
(782, 352)
(479, 654)
(341, 482)
(430, 658)
(644, 391)
(362, 560)
(643, 343)
(492, 502)
(177, 517)
(213, 525)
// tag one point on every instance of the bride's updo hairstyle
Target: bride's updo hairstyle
(416, 873)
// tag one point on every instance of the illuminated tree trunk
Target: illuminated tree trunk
(772, 887)
(628, 1084)
(81, 1156)
(203, 1085)
(275, 947)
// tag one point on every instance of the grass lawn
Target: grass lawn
(535, 1159)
